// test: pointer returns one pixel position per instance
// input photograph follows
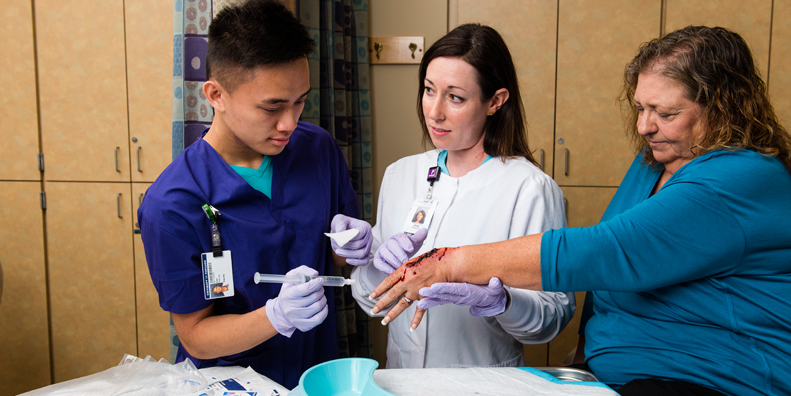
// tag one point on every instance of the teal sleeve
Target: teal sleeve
(682, 233)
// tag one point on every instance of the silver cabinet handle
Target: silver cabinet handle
(542, 159)
(116, 159)
(118, 205)
(140, 199)
(566, 208)
(566, 169)
(138, 159)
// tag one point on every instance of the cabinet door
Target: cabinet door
(18, 111)
(82, 89)
(149, 54)
(153, 324)
(752, 19)
(779, 77)
(584, 207)
(92, 279)
(595, 40)
(24, 334)
(529, 28)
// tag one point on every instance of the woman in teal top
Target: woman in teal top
(691, 264)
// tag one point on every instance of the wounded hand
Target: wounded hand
(406, 281)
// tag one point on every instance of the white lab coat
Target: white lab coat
(495, 202)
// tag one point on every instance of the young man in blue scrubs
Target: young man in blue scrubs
(254, 194)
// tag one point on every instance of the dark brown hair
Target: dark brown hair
(715, 68)
(482, 47)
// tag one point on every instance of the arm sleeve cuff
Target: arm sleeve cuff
(366, 278)
(536, 317)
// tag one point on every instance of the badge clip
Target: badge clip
(433, 175)
(216, 243)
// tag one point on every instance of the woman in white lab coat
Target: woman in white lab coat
(479, 185)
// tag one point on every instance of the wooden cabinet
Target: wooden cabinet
(529, 28)
(149, 54)
(82, 89)
(92, 279)
(18, 109)
(153, 324)
(24, 336)
(90, 87)
(779, 78)
(752, 19)
(595, 40)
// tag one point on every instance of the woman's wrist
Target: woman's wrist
(457, 270)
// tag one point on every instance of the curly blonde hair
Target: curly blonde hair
(715, 68)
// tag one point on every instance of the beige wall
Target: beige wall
(395, 127)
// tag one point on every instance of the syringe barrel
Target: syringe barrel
(298, 279)
(331, 280)
(268, 278)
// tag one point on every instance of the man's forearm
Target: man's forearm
(209, 337)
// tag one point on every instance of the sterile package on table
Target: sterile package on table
(235, 380)
(148, 377)
(481, 381)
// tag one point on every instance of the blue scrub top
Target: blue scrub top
(310, 185)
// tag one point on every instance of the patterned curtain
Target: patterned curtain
(339, 102)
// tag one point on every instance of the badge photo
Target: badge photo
(419, 215)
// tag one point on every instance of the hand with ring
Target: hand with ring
(419, 312)
(420, 272)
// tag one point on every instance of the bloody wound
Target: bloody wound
(439, 252)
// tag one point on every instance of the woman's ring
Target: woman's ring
(408, 301)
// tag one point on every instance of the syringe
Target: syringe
(328, 280)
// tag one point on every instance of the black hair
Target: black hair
(244, 37)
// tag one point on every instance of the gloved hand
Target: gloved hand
(358, 248)
(489, 300)
(298, 306)
(397, 250)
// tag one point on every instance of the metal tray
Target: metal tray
(569, 374)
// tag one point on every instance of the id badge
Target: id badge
(419, 215)
(217, 275)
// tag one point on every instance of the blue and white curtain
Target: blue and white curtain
(339, 102)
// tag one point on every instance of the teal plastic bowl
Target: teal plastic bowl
(340, 377)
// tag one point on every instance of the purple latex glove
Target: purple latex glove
(358, 248)
(397, 250)
(298, 306)
(489, 300)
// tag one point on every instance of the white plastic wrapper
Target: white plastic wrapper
(134, 377)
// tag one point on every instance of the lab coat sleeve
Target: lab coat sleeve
(367, 277)
(535, 317)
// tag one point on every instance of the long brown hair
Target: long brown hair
(715, 68)
(482, 47)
